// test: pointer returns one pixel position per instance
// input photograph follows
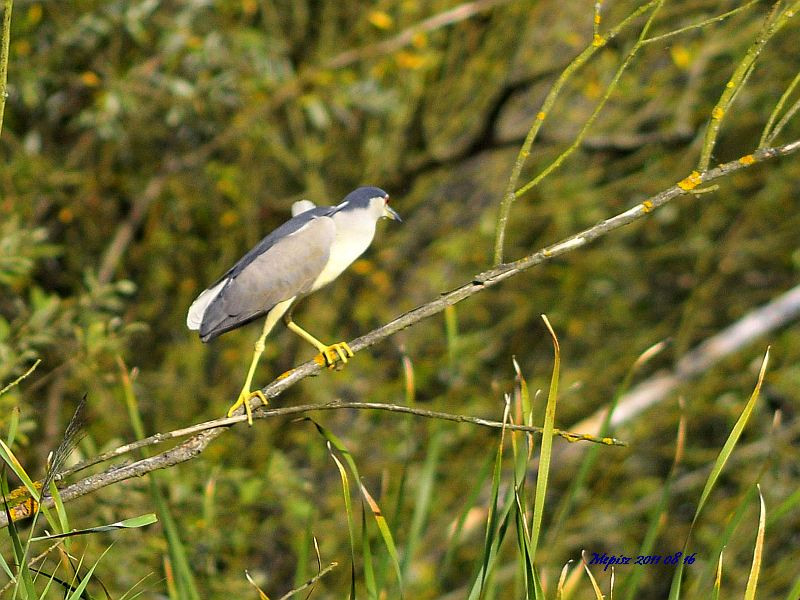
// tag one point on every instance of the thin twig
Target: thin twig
(32, 562)
(510, 193)
(7, 4)
(773, 23)
(310, 582)
(449, 17)
(196, 444)
(21, 377)
(769, 134)
(271, 413)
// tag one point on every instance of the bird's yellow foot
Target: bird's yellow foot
(244, 398)
(329, 354)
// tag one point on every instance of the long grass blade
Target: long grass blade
(755, 568)
(132, 523)
(183, 577)
(591, 455)
(562, 580)
(20, 556)
(349, 512)
(547, 443)
(380, 520)
(656, 519)
(717, 579)
(491, 520)
(386, 534)
(596, 588)
(719, 464)
(466, 510)
(422, 503)
(77, 593)
(366, 552)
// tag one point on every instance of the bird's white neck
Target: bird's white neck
(353, 236)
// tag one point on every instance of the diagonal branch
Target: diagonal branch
(196, 444)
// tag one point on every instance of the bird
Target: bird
(307, 252)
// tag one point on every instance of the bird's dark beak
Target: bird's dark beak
(391, 213)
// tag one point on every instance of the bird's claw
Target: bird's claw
(244, 398)
(328, 355)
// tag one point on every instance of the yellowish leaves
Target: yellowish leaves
(34, 14)
(65, 215)
(380, 19)
(90, 79)
(419, 40)
(680, 56)
(229, 218)
(409, 60)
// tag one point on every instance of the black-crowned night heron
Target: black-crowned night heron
(307, 252)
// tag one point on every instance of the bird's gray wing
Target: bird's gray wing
(286, 269)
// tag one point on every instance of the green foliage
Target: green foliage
(147, 145)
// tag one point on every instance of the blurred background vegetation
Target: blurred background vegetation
(147, 145)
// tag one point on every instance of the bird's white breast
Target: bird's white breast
(354, 234)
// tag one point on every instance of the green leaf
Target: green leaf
(132, 523)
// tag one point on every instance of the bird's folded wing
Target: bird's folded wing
(286, 269)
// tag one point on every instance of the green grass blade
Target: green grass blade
(491, 520)
(631, 585)
(547, 444)
(719, 464)
(592, 454)
(717, 579)
(132, 523)
(755, 568)
(11, 460)
(562, 579)
(794, 593)
(538, 590)
(523, 544)
(789, 505)
(179, 561)
(20, 556)
(386, 534)
(733, 438)
(13, 425)
(422, 503)
(77, 593)
(380, 520)
(366, 551)
(469, 504)
(349, 512)
(6, 569)
(596, 588)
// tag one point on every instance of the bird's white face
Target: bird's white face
(379, 208)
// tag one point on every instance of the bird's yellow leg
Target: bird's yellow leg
(246, 395)
(327, 354)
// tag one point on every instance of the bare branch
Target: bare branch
(222, 423)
